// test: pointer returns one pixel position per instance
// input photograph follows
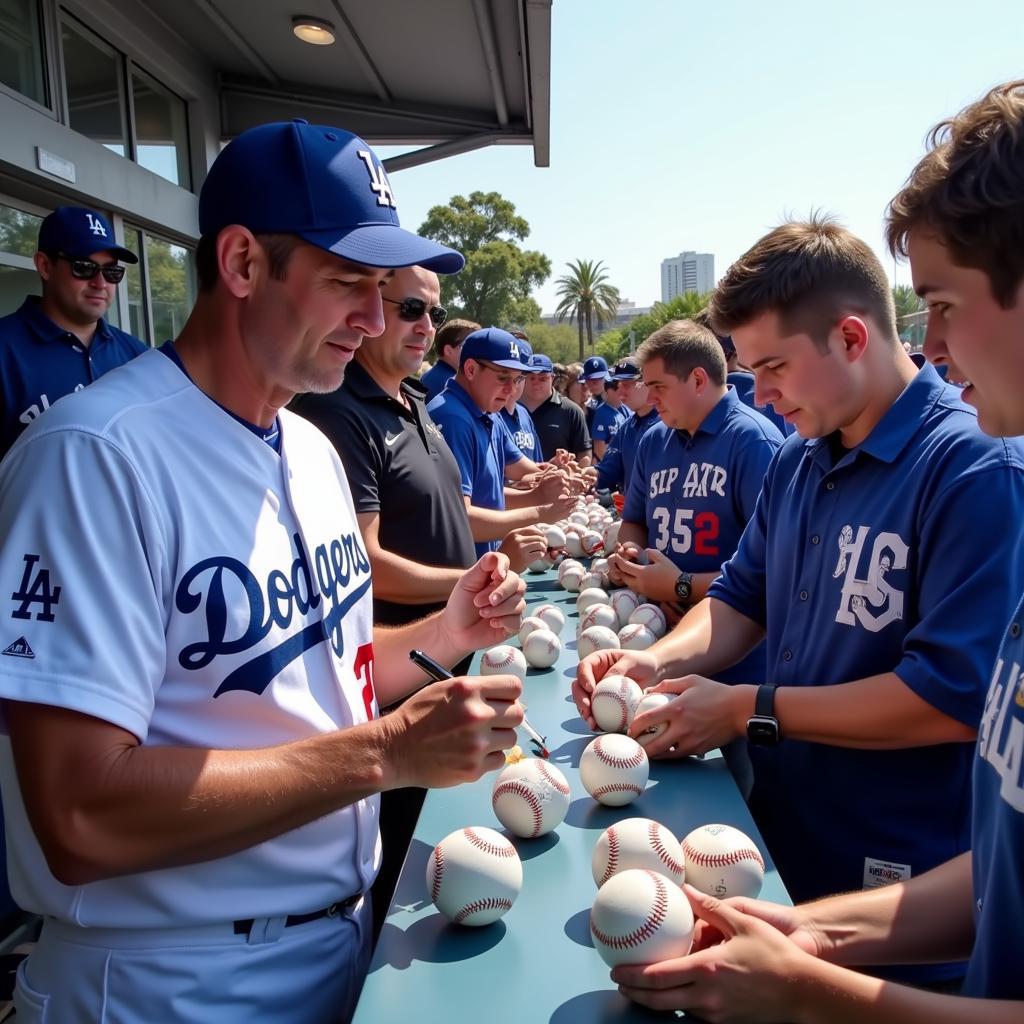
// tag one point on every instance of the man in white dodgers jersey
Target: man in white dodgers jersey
(960, 218)
(192, 678)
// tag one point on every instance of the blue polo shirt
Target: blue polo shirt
(519, 425)
(901, 555)
(41, 362)
(481, 448)
(435, 379)
(614, 469)
(608, 421)
(997, 833)
(695, 493)
(743, 382)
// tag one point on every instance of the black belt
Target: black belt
(245, 927)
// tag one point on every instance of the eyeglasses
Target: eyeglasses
(86, 270)
(411, 310)
(504, 379)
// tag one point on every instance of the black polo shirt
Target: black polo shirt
(399, 467)
(560, 424)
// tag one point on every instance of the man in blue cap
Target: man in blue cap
(193, 749)
(615, 468)
(593, 377)
(490, 371)
(59, 343)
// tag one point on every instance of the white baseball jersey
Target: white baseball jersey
(163, 569)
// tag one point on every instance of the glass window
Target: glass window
(18, 278)
(95, 98)
(138, 323)
(21, 49)
(15, 284)
(171, 287)
(19, 231)
(161, 130)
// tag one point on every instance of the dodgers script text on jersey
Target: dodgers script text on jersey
(211, 593)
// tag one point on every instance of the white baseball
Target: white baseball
(541, 565)
(580, 518)
(474, 876)
(651, 616)
(599, 565)
(611, 535)
(552, 616)
(651, 702)
(569, 563)
(596, 638)
(530, 797)
(542, 648)
(613, 702)
(598, 615)
(503, 660)
(555, 536)
(614, 769)
(636, 637)
(640, 917)
(637, 843)
(589, 596)
(592, 542)
(625, 602)
(529, 625)
(572, 578)
(593, 581)
(573, 545)
(721, 861)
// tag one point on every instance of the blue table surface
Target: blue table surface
(537, 963)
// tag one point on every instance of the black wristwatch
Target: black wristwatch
(684, 587)
(763, 727)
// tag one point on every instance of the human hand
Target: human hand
(754, 974)
(793, 922)
(641, 666)
(486, 604)
(559, 508)
(704, 715)
(452, 731)
(656, 580)
(550, 486)
(523, 546)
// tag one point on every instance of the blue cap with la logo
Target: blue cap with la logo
(323, 184)
(493, 345)
(80, 233)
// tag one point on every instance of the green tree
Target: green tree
(495, 285)
(907, 302)
(586, 296)
(616, 344)
(557, 342)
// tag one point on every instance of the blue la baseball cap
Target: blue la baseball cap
(540, 363)
(594, 367)
(493, 345)
(626, 369)
(77, 232)
(323, 184)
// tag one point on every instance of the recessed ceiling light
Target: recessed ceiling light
(313, 30)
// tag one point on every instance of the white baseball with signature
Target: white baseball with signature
(530, 797)
(613, 702)
(723, 861)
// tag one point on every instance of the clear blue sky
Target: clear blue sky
(679, 125)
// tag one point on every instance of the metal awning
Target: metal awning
(447, 76)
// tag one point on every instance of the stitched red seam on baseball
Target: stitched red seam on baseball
(550, 777)
(507, 660)
(613, 856)
(718, 860)
(623, 708)
(488, 904)
(435, 888)
(617, 787)
(633, 761)
(492, 848)
(666, 858)
(520, 789)
(652, 923)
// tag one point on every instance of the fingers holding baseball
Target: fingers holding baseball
(637, 665)
(700, 717)
(523, 546)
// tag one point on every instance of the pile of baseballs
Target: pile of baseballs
(640, 914)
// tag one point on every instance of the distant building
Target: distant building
(626, 312)
(687, 272)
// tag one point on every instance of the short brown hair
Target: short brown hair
(969, 190)
(809, 273)
(279, 249)
(451, 334)
(682, 346)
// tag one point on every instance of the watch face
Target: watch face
(683, 588)
(763, 731)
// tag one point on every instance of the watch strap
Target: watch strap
(764, 701)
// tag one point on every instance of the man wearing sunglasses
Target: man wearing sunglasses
(59, 343)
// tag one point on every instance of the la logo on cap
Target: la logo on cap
(95, 226)
(378, 180)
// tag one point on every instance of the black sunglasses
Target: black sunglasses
(86, 270)
(412, 309)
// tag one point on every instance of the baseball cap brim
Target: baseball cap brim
(600, 375)
(509, 364)
(387, 245)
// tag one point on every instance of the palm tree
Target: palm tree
(587, 296)
(907, 302)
